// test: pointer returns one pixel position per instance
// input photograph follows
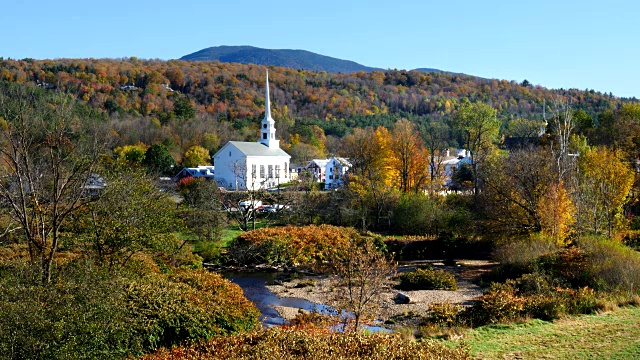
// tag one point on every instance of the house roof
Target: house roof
(319, 162)
(343, 161)
(256, 149)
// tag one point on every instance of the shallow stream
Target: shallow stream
(255, 289)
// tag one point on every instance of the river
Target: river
(254, 286)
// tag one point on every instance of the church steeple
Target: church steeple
(268, 129)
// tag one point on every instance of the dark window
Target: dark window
(264, 126)
(264, 136)
(262, 171)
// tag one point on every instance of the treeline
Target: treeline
(182, 104)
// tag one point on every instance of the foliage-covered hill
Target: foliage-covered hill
(184, 103)
(294, 59)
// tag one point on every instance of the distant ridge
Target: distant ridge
(295, 59)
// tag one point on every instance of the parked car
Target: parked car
(250, 204)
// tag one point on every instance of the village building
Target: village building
(244, 165)
(205, 171)
(336, 172)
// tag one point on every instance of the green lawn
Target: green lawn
(614, 335)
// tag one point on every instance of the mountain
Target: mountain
(295, 59)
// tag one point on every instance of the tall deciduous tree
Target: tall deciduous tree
(479, 127)
(514, 185)
(436, 135)
(372, 174)
(557, 214)
(411, 159)
(605, 182)
(47, 154)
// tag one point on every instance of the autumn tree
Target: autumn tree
(372, 174)
(195, 156)
(47, 153)
(411, 159)
(479, 128)
(513, 186)
(131, 154)
(605, 182)
(557, 214)
(201, 211)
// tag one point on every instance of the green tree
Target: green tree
(201, 212)
(479, 127)
(183, 108)
(158, 159)
(129, 215)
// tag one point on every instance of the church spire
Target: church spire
(268, 125)
(267, 111)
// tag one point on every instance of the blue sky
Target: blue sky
(568, 44)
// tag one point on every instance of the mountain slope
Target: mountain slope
(295, 59)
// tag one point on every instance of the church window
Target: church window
(264, 136)
(278, 171)
(264, 126)
(272, 135)
(262, 171)
(286, 169)
(253, 171)
(229, 153)
(270, 171)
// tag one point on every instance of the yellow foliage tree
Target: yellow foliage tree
(132, 154)
(605, 182)
(196, 155)
(557, 214)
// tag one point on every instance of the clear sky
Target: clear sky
(557, 44)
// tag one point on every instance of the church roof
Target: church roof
(257, 149)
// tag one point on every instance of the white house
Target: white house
(317, 168)
(452, 163)
(253, 165)
(336, 170)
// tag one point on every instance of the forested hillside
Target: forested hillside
(294, 59)
(183, 103)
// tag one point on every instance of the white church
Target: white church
(241, 165)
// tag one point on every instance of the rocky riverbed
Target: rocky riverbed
(321, 290)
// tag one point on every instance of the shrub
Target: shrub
(277, 343)
(87, 312)
(81, 315)
(303, 245)
(444, 314)
(427, 279)
(613, 265)
(569, 266)
(499, 304)
(187, 306)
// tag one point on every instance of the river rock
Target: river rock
(402, 298)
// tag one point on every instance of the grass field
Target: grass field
(613, 335)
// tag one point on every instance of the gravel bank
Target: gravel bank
(324, 287)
